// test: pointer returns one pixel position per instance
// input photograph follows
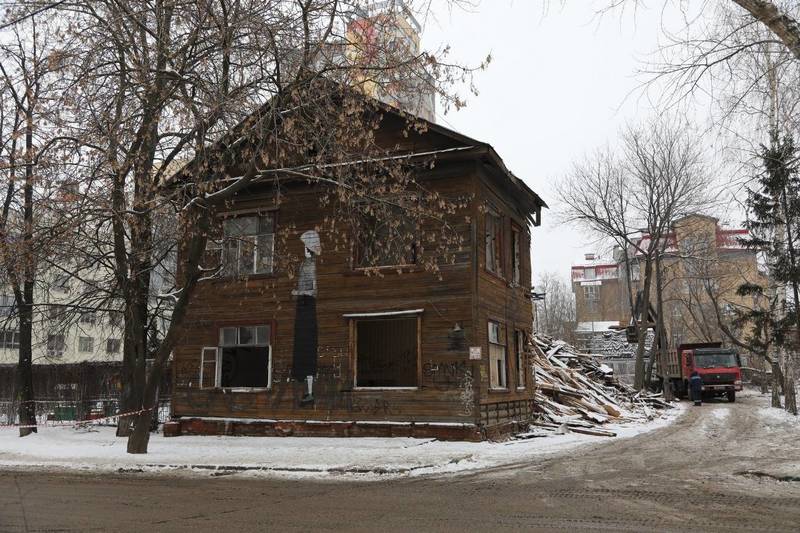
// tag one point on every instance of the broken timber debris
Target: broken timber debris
(575, 390)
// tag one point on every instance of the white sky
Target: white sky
(556, 89)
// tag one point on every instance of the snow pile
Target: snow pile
(98, 450)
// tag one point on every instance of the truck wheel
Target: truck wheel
(731, 396)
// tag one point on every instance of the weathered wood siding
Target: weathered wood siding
(446, 392)
(499, 300)
(452, 387)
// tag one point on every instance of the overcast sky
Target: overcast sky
(557, 88)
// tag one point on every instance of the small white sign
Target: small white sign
(474, 352)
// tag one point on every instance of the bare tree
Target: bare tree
(658, 177)
(179, 106)
(555, 314)
(29, 223)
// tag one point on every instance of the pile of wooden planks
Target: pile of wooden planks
(577, 392)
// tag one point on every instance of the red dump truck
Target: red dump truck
(720, 369)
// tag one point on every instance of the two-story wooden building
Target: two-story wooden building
(398, 350)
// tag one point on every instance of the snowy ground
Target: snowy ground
(97, 449)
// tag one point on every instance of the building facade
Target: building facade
(405, 352)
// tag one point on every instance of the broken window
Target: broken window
(56, 345)
(387, 352)
(244, 358)
(385, 236)
(494, 240)
(516, 256)
(85, 344)
(9, 339)
(519, 342)
(247, 246)
(497, 356)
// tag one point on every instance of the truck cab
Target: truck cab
(718, 367)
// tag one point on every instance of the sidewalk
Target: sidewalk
(96, 449)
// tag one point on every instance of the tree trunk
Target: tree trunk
(777, 383)
(781, 25)
(644, 315)
(27, 407)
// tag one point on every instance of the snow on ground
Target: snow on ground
(97, 449)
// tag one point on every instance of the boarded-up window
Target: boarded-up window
(519, 345)
(244, 358)
(497, 356)
(387, 352)
(494, 239)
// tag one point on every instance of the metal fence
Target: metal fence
(102, 411)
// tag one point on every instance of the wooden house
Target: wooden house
(400, 351)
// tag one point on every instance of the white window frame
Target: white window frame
(218, 365)
(14, 339)
(82, 339)
(234, 271)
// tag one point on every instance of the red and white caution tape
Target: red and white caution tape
(83, 423)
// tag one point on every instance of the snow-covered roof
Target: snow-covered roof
(589, 327)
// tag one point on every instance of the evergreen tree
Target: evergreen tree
(774, 208)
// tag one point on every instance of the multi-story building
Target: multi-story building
(704, 264)
(600, 294)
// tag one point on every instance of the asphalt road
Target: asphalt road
(710, 471)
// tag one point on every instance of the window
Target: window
(497, 357)
(6, 304)
(55, 345)
(56, 312)
(387, 237)
(61, 282)
(113, 345)
(115, 319)
(494, 240)
(516, 256)
(387, 352)
(9, 339)
(88, 318)
(590, 273)
(248, 245)
(519, 343)
(85, 344)
(591, 294)
(244, 358)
